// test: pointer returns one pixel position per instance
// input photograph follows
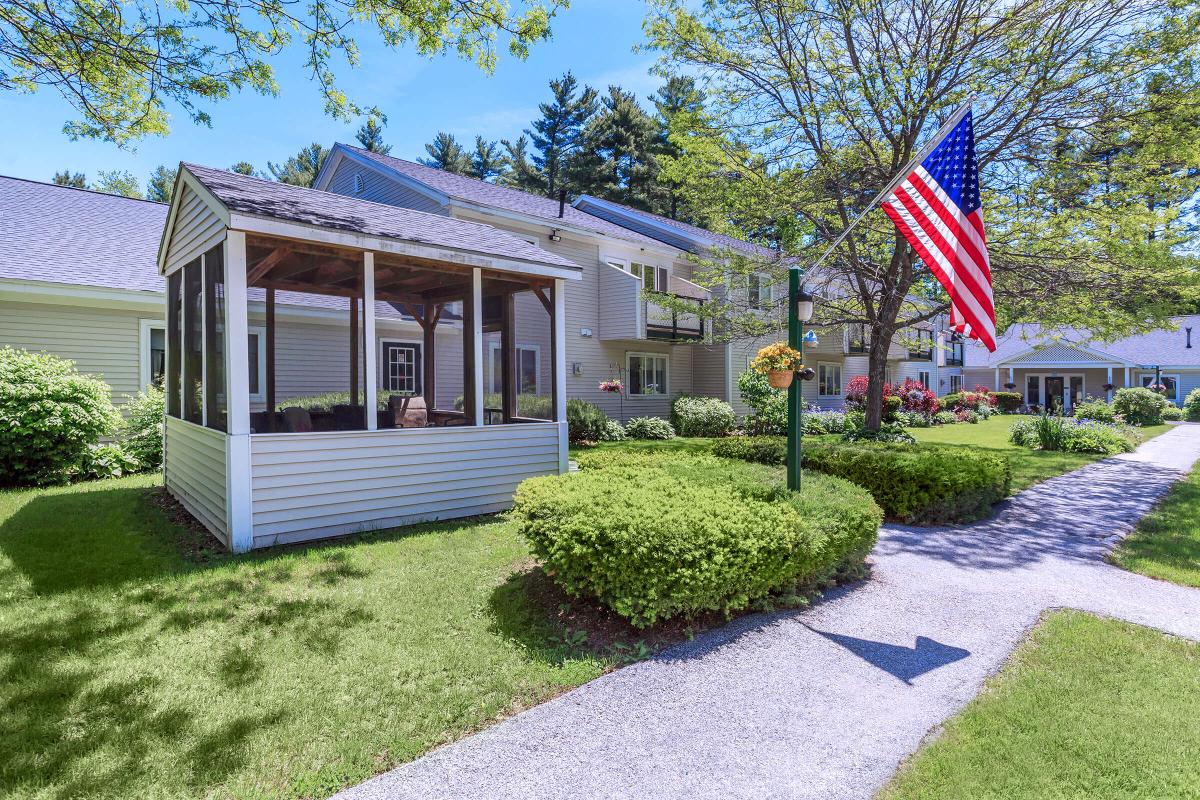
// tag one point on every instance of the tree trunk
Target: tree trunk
(876, 375)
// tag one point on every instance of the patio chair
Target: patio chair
(410, 411)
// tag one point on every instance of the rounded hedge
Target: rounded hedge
(1191, 405)
(654, 538)
(586, 423)
(702, 416)
(649, 428)
(1140, 406)
(923, 484)
(49, 416)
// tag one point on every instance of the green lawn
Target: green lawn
(130, 670)
(1087, 708)
(1028, 466)
(1166, 543)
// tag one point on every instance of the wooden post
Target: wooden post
(468, 334)
(369, 340)
(429, 348)
(271, 360)
(353, 351)
(556, 351)
(239, 519)
(559, 322)
(508, 357)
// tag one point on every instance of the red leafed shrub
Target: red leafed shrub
(989, 397)
(915, 396)
(856, 392)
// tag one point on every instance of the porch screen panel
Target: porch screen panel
(193, 344)
(214, 338)
(174, 322)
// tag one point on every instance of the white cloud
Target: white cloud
(635, 78)
(500, 123)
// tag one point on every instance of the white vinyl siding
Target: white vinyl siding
(306, 486)
(378, 188)
(197, 229)
(194, 468)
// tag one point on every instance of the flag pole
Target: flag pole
(795, 281)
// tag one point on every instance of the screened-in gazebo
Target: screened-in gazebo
(336, 365)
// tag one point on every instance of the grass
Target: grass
(137, 662)
(1028, 466)
(1087, 707)
(1166, 543)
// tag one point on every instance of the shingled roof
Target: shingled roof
(1163, 346)
(263, 198)
(58, 234)
(475, 191)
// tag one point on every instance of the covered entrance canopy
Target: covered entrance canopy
(323, 425)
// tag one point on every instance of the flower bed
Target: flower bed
(1074, 435)
(655, 535)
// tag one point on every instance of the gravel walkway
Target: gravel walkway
(827, 702)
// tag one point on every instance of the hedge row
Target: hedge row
(920, 484)
(654, 536)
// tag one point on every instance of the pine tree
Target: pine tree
(118, 181)
(160, 184)
(487, 162)
(244, 168)
(615, 158)
(676, 100)
(370, 136)
(302, 168)
(446, 153)
(556, 135)
(75, 180)
(521, 173)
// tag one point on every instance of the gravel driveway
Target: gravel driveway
(825, 703)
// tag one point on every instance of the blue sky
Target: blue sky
(594, 39)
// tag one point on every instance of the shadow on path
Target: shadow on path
(904, 663)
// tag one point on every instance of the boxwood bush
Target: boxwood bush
(586, 423)
(701, 416)
(1095, 408)
(922, 484)
(649, 428)
(1172, 413)
(1140, 406)
(50, 415)
(656, 537)
(1008, 402)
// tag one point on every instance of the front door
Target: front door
(1054, 394)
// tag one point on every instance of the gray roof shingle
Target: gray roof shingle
(75, 236)
(260, 197)
(1163, 346)
(473, 190)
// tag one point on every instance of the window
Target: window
(954, 356)
(922, 349)
(955, 384)
(1169, 381)
(923, 378)
(400, 363)
(759, 292)
(647, 374)
(527, 370)
(656, 279)
(256, 345)
(859, 340)
(153, 362)
(1033, 395)
(829, 380)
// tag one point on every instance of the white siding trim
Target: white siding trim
(144, 328)
(368, 331)
(560, 371)
(477, 338)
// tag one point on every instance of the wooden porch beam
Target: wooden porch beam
(262, 267)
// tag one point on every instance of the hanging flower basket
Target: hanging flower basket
(612, 386)
(779, 363)
(780, 378)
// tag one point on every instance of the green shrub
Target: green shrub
(702, 416)
(141, 434)
(1191, 405)
(534, 406)
(649, 428)
(1052, 433)
(1140, 406)
(916, 484)
(585, 422)
(769, 404)
(831, 421)
(1008, 402)
(913, 419)
(1096, 409)
(944, 418)
(1172, 413)
(49, 416)
(888, 432)
(107, 461)
(654, 538)
(325, 402)
(613, 432)
(891, 407)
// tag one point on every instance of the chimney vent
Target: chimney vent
(562, 202)
(1188, 331)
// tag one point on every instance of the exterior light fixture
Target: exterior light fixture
(804, 306)
(554, 237)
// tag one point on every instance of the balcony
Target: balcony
(625, 315)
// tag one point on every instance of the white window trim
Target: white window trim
(666, 392)
(381, 363)
(261, 397)
(1178, 381)
(952, 379)
(144, 328)
(841, 386)
(537, 360)
(928, 373)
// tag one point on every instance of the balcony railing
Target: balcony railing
(671, 323)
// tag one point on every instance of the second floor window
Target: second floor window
(758, 290)
(921, 348)
(860, 338)
(655, 279)
(954, 356)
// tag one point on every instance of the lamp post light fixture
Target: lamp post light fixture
(800, 311)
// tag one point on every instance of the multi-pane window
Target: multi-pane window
(923, 378)
(647, 374)
(1169, 381)
(656, 279)
(401, 367)
(922, 347)
(859, 338)
(954, 356)
(758, 290)
(829, 380)
(955, 384)
(1033, 394)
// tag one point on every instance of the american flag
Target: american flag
(937, 209)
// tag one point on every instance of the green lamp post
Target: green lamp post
(800, 311)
